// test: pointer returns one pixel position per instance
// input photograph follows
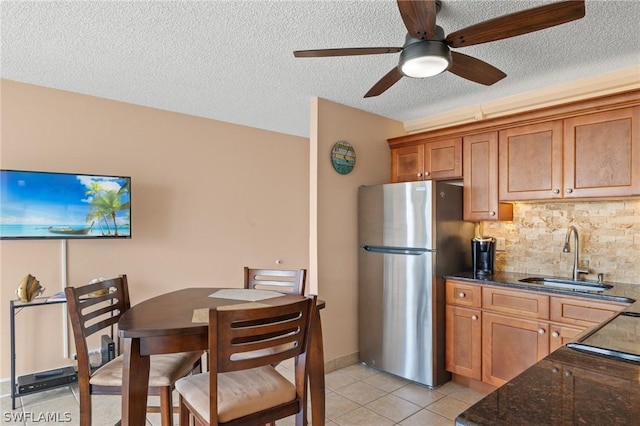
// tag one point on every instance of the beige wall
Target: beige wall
(334, 249)
(609, 238)
(208, 198)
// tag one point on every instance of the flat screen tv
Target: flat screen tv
(44, 205)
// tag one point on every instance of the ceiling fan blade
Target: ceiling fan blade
(385, 82)
(518, 23)
(474, 69)
(419, 17)
(349, 51)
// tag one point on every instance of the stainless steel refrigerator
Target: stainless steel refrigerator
(410, 236)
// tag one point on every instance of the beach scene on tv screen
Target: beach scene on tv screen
(60, 205)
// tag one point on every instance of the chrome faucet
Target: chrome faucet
(576, 249)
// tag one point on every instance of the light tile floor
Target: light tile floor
(355, 396)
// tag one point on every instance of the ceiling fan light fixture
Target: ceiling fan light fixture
(424, 59)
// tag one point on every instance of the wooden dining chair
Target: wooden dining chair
(99, 306)
(242, 387)
(282, 280)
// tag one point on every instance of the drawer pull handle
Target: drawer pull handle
(555, 334)
(541, 331)
(474, 317)
(462, 295)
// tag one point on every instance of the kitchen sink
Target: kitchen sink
(568, 284)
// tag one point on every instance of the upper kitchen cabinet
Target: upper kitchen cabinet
(588, 148)
(425, 161)
(590, 155)
(531, 162)
(602, 154)
(480, 171)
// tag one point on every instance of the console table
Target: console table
(16, 305)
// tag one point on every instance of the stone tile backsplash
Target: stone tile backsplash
(609, 239)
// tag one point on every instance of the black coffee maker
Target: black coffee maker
(483, 250)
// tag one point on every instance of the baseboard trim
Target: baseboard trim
(473, 384)
(341, 362)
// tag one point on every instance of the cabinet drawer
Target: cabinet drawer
(516, 302)
(463, 294)
(569, 310)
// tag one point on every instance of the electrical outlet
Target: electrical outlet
(500, 244)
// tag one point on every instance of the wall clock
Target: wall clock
(343, 157)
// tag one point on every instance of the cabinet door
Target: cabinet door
(463, 342)
(560, 335)
(531, 162)
(480, 176)
(510, 346)
(407, 163)
(443, 159)
(602, 154)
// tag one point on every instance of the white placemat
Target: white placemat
(250, 295)
(202, 314)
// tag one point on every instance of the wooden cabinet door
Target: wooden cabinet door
(480, 176)
(530, 162)
(443, 159)
(463, 338)
(510, 346)
(602, 154)
(407, 163)
(560, 335)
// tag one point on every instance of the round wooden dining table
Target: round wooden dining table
(165, 324)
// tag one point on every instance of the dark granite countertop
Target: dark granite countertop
(620, 292)
(567, 387)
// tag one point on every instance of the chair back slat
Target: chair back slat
(282, 280)
(249, 338)
(92, 308)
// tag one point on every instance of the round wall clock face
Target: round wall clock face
(343, 157)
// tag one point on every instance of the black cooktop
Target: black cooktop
(619, 338)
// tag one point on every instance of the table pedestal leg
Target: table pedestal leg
(135, 384)
(316, 372)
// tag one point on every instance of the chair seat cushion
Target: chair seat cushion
(239, 392)
(164, 370)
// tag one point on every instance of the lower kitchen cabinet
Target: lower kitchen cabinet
(463, 344)
(560, 334)
(510, 346)
(495, 333)
(585, 313)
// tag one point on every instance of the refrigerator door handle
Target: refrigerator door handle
(411, 251)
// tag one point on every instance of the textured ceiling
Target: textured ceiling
(233, 61)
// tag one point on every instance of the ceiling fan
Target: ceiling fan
(426, 51)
